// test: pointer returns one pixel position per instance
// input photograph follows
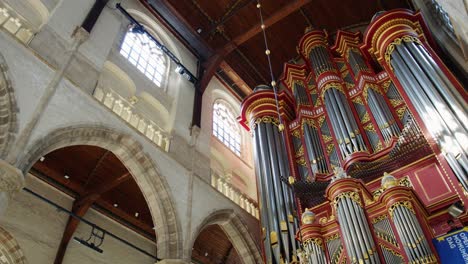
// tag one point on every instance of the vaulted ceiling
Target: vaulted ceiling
(212, 246)
(96, 178)
(229, 30)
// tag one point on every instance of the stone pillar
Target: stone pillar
(79, 37)
(400, 42)
(345, 193)
(11, 181)
(275, 196)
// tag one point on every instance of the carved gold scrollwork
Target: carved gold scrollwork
(296, 133)
(393, 252)
(315, 240)
(358, 100)
(406, 204)
(309, 121)
(379, 218)
(386, 85)
(352, 195)
(334, 85)
(396, 42)
(400, 112)
(332, 237)
(405, 182)
(377, 193)
(265, 119)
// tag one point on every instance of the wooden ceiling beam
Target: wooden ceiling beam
(79, 208)
(95, 193)
(270, 21)
(165, 11)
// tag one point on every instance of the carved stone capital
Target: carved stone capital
(11, 178)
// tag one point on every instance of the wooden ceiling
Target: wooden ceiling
(212, 246)
(230, 29)
(96, 178)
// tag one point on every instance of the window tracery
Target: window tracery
(225, 127)
(143, 53)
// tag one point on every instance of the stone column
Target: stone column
(79, 37)
(345, 193)
(398, 201)
(11, 181)
(400, 42)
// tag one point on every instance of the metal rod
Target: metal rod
(158, 44)
(61, 208)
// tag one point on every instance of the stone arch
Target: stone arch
(10, 249)
(146, 174)
(8, 110)
(236, 231)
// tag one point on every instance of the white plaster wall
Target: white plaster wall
(29, 76)
(38, 228)
(72, 106)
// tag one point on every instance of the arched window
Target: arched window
(225, 127)
(142, 52)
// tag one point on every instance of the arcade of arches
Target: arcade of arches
(139, 131)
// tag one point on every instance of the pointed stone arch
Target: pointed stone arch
(155, 189)
(237, 232)
(10, 249)
(8, 110)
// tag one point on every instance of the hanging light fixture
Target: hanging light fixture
(95, 239)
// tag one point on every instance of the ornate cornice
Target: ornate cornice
(390, 26)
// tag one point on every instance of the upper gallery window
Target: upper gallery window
(142, 52)
(225, 127)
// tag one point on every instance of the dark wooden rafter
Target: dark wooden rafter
(306, 17)
(231, 11)
(271, 20)
(80, 207)
(164, 10)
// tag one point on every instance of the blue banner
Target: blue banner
(453, 247)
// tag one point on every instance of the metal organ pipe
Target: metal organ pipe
(276, 179)
(332, 111)
(270, 192)
(408, 228)
(263, 205)
(444, 123)
(286, 192)
(381, 112)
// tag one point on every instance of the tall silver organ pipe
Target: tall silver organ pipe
(276, 199)
(437, 101)
(343, 122)
(357, 236)
(314, 149)
(382, 115)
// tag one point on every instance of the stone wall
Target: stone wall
(176, 184)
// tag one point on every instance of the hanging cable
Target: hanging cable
(268, 52)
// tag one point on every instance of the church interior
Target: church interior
(233, 131)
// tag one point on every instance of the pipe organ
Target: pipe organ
(326, 143)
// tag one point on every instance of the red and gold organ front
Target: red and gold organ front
(361, 156)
